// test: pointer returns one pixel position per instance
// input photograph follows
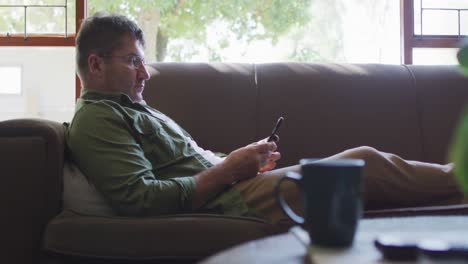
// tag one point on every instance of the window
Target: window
(435, 56)
(39, 35)
(22, 22)
(256, 31)
(11, 80)
(432, 30)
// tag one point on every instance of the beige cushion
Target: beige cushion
(80, 195)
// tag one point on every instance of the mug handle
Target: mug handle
(293, 176)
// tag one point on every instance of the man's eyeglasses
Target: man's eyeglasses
(134, 60)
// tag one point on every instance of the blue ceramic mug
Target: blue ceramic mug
(331, 192)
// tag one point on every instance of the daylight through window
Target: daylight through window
(11, 80)
(257, 31)
(429, 25)
(38, 22)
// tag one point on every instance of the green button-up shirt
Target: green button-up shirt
(139, 159)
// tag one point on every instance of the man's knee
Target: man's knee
(365, 153)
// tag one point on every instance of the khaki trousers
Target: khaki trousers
(388, 181)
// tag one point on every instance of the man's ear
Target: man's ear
(95, 65)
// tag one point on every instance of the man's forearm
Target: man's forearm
(209, 183)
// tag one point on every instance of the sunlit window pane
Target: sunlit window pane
(13, 2)
(34, 2)
(11, 20)
(434, 56)
(417, 17)
(39, 20)
(464, 23)
(440, 22)
(38, 82)
(71, 16)
(458, 4)
(440, 17)
(257, 31)
(11, 80)
(46, 20)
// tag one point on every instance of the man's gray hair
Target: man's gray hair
(102, 33)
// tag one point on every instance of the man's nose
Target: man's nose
(143, 72)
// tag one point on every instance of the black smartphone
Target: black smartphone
(397, 248)
(275, 129)
(439, 251)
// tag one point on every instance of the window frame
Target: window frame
(410, 41)
(50, 40)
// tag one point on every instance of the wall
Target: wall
(48, 83)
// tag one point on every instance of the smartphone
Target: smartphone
(397, 248)
(275, 129)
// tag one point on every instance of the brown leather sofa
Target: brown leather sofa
(407, 110)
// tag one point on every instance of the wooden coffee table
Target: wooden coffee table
(292, 247)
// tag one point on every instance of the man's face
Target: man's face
(125, 70)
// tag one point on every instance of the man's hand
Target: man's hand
(274, 156)
(241, 164)
(246, 162)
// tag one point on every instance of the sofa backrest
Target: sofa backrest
(330, 108)
(407, 110)
(442, 96)
(215, 103)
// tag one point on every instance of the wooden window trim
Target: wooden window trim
(407, 31)
(436, 41)
(409, 40)
(35, 40)
(50, 40)
(54, 40)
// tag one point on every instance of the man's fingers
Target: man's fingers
(275, 156)
(269, 166)
(275, 138)
(265, 147)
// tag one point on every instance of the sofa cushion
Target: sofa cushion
(190, 236)
(329, 108)
(80, 195)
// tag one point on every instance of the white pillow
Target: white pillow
(80, 195)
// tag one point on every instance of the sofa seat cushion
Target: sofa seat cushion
(188, 236)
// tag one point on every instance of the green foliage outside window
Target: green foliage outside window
(39, 20)
(167, 20)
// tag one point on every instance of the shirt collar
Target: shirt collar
(88, 95)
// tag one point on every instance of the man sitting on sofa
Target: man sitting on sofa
(144, 164)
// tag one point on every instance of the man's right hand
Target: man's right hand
(239, 165)
(244, 163)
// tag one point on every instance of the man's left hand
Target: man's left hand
(272, 157)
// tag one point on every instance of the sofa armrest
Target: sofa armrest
(31, 152)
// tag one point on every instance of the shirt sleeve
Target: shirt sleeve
(101, 143)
